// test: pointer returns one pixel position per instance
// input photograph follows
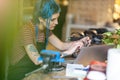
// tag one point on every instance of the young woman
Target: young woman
(34, 37)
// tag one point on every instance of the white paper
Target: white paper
(76, 70)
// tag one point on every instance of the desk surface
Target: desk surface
(49, 76)
(41, 76)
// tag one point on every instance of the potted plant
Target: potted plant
(112, 38)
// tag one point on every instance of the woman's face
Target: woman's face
(54, 21)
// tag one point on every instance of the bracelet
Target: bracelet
(63, 54)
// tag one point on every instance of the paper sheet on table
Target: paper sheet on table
(76, 70)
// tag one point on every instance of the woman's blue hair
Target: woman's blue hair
(45, 9)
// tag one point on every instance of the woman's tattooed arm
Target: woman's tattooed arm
(33, 53)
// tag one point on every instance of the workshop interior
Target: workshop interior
(78, 19)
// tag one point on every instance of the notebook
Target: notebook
(88, 54)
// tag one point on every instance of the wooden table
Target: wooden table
(49, 76)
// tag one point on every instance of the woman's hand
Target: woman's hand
(75, 45)
(84, 42)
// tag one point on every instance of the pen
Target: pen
(84, 69)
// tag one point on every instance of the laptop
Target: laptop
(88, 54)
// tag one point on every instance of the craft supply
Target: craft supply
(96, 71)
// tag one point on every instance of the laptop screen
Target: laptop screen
(88, 54)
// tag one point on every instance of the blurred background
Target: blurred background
(77, 15)
(8, 29)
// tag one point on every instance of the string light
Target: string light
(65, 2)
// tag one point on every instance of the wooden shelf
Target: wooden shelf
(82, 14)
(80, 27)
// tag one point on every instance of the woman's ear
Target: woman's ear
(41, 20)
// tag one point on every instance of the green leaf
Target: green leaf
(118, 46)
(107, 33)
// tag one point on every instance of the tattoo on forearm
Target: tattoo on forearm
(32, 48)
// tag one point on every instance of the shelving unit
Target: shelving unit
(26, 9)
(85, 14)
